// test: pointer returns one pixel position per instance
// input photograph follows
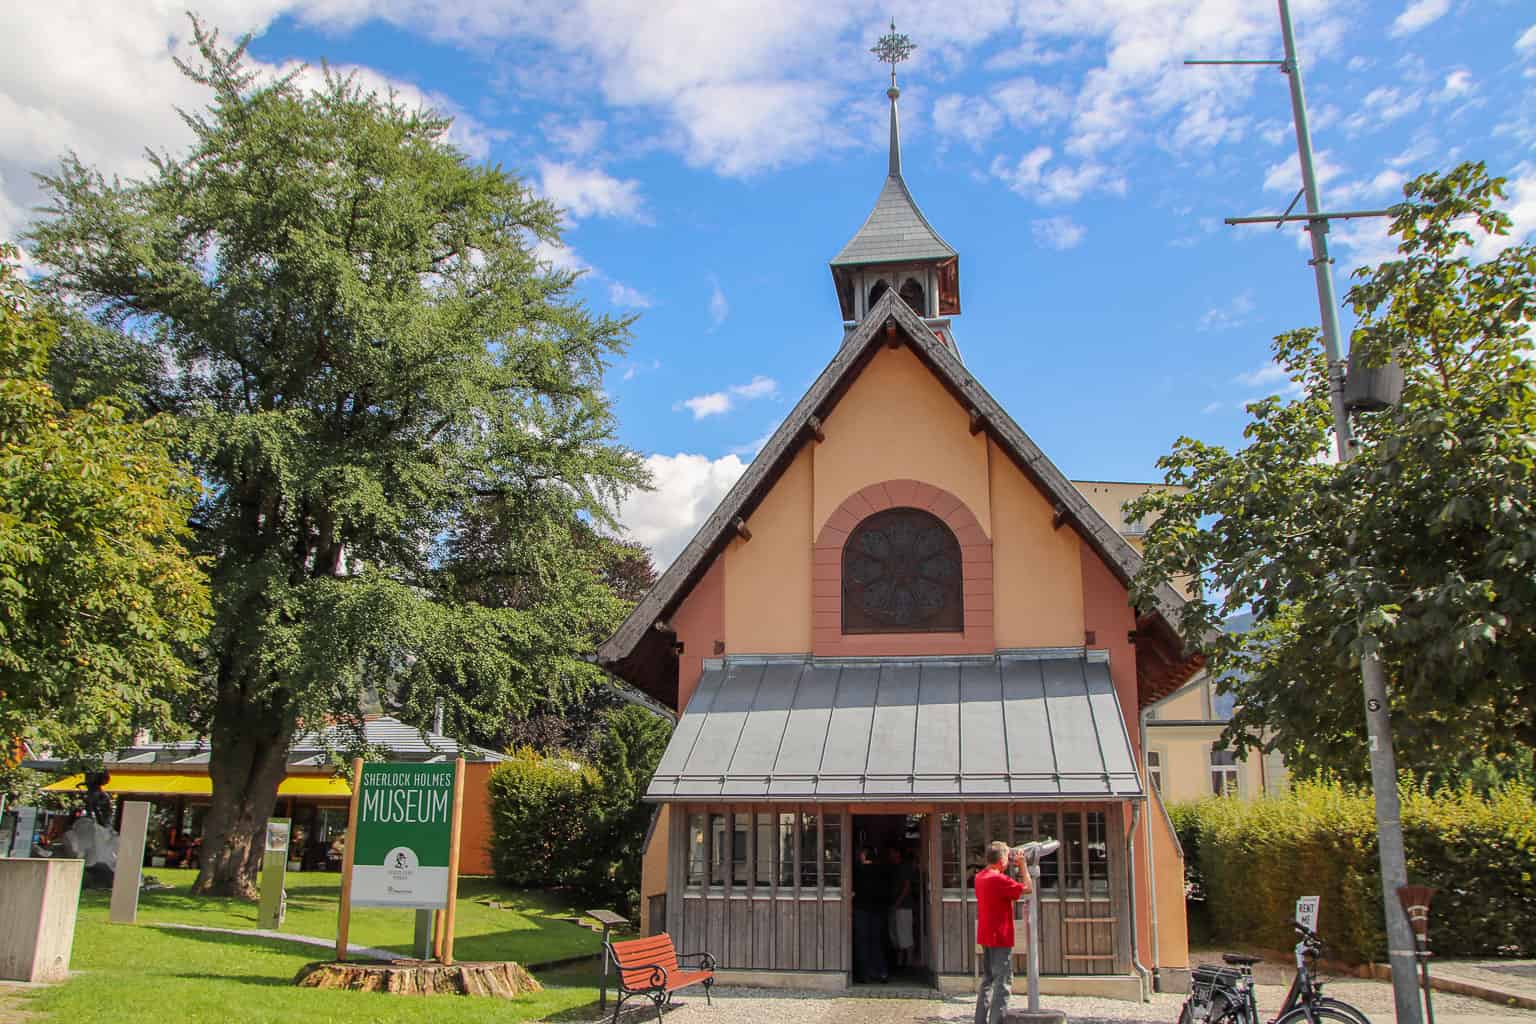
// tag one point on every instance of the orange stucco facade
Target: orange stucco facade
(898, 438)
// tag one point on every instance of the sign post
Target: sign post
(274, 874)
(129, 872)
(402, 844)
(608, 919)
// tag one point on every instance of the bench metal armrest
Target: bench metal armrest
(658, 979)
(706, 961)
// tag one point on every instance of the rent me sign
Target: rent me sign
(403, 836)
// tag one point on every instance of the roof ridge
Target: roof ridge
(793, 431)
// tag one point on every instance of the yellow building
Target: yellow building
(1185, 759)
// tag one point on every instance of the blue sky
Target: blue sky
(713, 157)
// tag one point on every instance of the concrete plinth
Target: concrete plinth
(1035, 1017)
(38, 901)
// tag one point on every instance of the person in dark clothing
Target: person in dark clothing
(871, 899)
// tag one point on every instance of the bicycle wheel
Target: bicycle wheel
(1325, 1011)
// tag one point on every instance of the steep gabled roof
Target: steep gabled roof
(895, 232)
(890, 321)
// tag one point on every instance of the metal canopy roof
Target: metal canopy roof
(895, 231)
(1004, 727)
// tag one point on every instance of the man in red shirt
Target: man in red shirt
(995, 896)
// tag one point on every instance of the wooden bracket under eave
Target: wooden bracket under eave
(892, 336)
(978, 422)
(1058, 517)
(741, 529)
(813, 424)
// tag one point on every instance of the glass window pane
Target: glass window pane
(1098, 854)
(976, 840)
(740, 869)
(949, 851)
(1023, 829)
(810, 843)
(698, 850)
(1072, 852)
(765, 846)
(786, 850)
(717, 849)
(1050, 867)
(831, 853)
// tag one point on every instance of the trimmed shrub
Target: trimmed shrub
(544, 811)
(558, 821)
(1250, 861)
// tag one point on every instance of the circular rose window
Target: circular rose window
(901, 574)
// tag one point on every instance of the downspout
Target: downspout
(1141, 727)
(1130, 872)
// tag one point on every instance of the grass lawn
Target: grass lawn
(147, 975)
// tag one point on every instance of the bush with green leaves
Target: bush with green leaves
(1253, 859)
(559, 821)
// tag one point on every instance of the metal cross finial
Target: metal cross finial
(893, 48)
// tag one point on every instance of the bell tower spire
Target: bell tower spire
(893, 48)
(897, 249)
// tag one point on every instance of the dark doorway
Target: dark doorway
(900, 891)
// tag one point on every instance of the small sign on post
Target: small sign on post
(402, 847)
(21, 838)
(274, 874)
(129, 872)
(1306, 912)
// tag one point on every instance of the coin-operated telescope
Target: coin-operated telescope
(1031, 854)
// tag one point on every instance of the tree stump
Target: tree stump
(420, 978)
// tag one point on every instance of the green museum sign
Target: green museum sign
(403, 835)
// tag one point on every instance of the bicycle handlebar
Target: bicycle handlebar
(1304, 931)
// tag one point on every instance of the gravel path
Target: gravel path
(761, 1006)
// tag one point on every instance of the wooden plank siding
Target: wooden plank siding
(789, 908)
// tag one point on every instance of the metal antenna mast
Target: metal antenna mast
(1389, 825)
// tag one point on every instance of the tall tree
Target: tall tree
(369, 358)
(1431, 529)
(100, 600)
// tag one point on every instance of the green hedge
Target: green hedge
(1250, 861)
(557, 821)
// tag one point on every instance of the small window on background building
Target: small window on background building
(949, 851)
(1098, 853)
(810, 843)
(1155, 769)
(1222, 704)
(878, 290)
(1223, 772)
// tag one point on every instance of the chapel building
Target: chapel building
(905, 628)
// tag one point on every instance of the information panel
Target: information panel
(403, 836)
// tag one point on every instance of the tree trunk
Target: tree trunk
(248, 758)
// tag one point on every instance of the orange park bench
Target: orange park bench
(653, 968)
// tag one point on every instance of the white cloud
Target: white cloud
(717, 402)
(621, 294)
(577, 138)
(1457, 84)
(1526, 44)
(971, 119)
(712, 404)
(719, 308)
(1057, 232)
(1285, 176)
(560, 256)
(1263, 377)
(1033, 177)
(591, 191)
(1417, 15)
(1029, 102)
(1211, 407)
(687, 489)
(1229, 315)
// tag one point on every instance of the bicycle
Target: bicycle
(1225, 994)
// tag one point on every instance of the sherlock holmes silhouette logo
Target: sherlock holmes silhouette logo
(404, 820)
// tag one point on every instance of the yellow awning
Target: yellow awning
(199, 784)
